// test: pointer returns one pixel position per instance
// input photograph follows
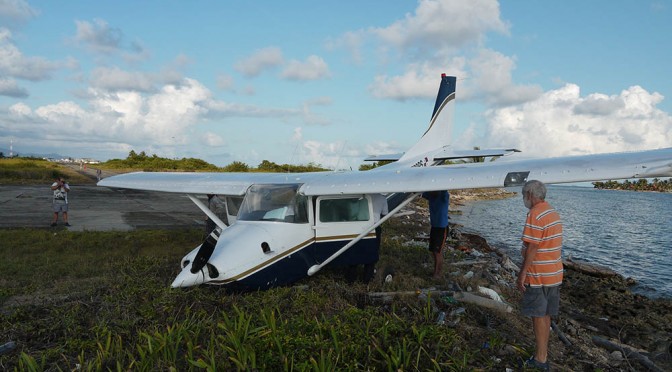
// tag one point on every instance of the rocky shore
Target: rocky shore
(602, 324)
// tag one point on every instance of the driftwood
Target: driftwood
(593, 324)
(589, 269)
(468, 263)
(561, 335)
(482, 301)
(409, 293)
(388, 296)
(459, 296)
(627, 351)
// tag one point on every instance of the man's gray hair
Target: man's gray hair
(536, 188)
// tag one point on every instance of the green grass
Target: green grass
(33, 171)
(101, 301)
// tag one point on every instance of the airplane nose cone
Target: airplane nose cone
(187, 279)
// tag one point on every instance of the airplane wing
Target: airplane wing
(197, 182)
(387, 179)
(643, 164)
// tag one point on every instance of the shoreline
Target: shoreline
(597, 304)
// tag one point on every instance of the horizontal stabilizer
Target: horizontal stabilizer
(389, 157)
(448, 154)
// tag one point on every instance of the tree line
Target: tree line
(145, 162)
(640, 185)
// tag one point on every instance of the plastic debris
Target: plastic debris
(458, 311)
(490, 293)
(442, 318)
(7, 347)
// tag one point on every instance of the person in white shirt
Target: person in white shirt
(61, 189)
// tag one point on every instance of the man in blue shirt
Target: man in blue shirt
(438, 217)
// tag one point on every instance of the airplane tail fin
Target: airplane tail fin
(440, 126)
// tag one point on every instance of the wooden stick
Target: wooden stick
(627, 351)
(561, 335)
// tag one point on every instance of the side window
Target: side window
(344, 210)
(233, 204)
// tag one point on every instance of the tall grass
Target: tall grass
(101, 301)
(29, 170)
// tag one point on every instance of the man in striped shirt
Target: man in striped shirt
(540, 276)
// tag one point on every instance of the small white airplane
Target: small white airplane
(283, 227)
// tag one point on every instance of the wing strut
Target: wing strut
(315, 268)
(208, 212)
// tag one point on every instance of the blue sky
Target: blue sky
(330, 82)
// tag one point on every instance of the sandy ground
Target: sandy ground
(94, 208)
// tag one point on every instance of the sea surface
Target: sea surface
(629, 232)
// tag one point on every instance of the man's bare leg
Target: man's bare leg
(542, 332)
(438, 264)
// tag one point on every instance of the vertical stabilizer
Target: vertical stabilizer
(441, 124)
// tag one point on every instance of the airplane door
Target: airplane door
(342, 217)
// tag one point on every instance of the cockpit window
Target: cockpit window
(344, 210)
(274, 203)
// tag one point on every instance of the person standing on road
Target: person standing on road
(541, 273)
(61, 189)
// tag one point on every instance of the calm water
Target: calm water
(629, 232)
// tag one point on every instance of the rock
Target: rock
(615, 358)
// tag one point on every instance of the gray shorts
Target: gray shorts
(540, 301)
(60, 206)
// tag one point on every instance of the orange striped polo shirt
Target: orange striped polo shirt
(543, 227)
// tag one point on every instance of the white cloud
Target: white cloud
(9, 88)
(126, 117)
(115, 79)
(382, 148)
(14, 64)
(259, 61)
(298, 134)
(418, 81)
(16, 11)
(490, 80)
(19, 110)
(333, 155)
(444, 24)
(412, 84)
(212, 139)
(312, 69)
(225, 82)
(99, 37)
(228, 109)
(561, 122)
(352, 41)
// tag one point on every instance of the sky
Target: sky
(331, 82)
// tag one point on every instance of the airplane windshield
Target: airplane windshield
(274, 203)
